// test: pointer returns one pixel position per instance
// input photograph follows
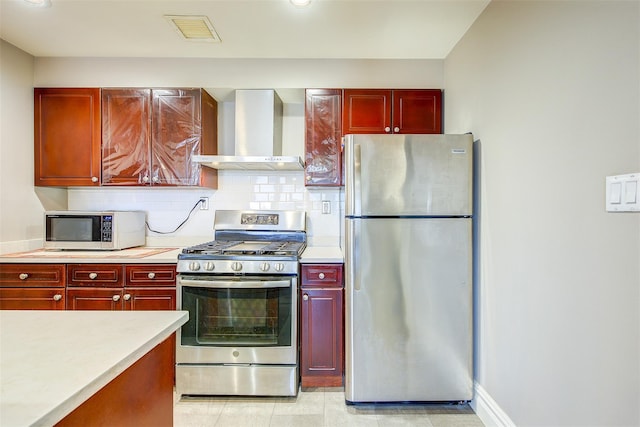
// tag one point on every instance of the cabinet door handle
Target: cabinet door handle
(145, 178)
(127, 297)
(92, 276)
(321, 276)
(116, 298)
(94, 179)
(57, 297)
(305, 297)
(23, 276)
(387, 129)
(396, 129)
(151, 275)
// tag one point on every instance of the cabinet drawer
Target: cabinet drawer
(32, 299)
(32, 275)
(109, 275)
(150, 275)
(322, 275)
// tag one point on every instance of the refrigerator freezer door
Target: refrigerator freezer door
(408, 294)
(408, 175)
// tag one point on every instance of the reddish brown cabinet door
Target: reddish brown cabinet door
(126, 136)
(150, 287)
(366, 111)
(32, 299)
(184, 123)
(149, 136)
(321, 326)
(392, 111)
(323, 138)
(32, 287)
(417, 111)
(95, 299)
(67, 136)
(149, 298)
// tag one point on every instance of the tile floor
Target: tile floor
(315, 408)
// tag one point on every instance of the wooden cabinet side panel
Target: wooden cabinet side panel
(32, 299)
(67, 136)
(126, 136)
(417, 111)
(141, 396)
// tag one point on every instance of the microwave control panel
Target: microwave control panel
(107, 228)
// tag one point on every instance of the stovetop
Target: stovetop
(225, 248)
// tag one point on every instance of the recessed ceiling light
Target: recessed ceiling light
(194, 28)
(300, 2)
(39, 3)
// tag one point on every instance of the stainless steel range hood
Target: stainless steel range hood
(258, 135)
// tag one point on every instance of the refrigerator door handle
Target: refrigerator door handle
(357, 178)
(353, 231)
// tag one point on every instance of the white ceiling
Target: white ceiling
(360, 29)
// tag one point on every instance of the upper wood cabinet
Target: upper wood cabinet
(323, 139)
(67, 136)
(149, 136)
(392, 111)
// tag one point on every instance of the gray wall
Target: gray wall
(552, 92)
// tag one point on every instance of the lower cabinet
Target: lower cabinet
(322, 326)
(121, 287)
(32, 287)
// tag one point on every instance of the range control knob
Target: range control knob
(265, 266)
(194, 266)
(209, 266)
(236, 266)
(279, 266)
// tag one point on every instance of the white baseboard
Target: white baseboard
(488, 410)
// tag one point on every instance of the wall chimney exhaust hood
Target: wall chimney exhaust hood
(258, 135)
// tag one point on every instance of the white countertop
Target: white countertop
(139, 255)
(52, 361)
(322, 255)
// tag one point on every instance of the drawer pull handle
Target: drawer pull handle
(305, 297)
(127, 297)
(23, 276)
(151, 275)
(57, 297)
(93, 275)
(116, 298)
(321, 276)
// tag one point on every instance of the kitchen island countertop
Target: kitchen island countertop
(53, 361)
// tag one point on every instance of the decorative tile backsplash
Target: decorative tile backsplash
(167, 208)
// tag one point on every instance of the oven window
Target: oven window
(232, 316)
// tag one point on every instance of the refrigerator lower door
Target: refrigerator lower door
(408, 294)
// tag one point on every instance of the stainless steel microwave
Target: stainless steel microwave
(85, 230)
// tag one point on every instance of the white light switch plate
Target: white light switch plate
(623, 193)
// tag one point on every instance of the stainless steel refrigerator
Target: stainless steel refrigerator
(408, 261)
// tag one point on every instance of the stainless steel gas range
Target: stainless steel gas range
(241, 293)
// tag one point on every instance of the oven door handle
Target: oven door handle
(225, 284)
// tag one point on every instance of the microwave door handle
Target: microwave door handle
(226, 284)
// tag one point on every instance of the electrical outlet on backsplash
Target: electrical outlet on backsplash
(167, 208)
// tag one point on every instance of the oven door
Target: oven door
(238, 319)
